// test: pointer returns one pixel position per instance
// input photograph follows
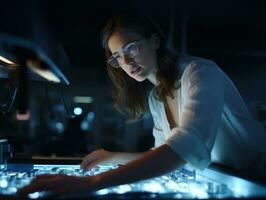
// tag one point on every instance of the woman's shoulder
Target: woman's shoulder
(192, 64)
(188, 62)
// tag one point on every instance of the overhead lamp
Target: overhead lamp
(35, 66)
(28, 52)
(5, 60)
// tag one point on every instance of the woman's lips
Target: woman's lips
(135, 70)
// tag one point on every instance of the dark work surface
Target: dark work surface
(231, 171)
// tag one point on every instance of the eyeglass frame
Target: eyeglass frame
(122, 50)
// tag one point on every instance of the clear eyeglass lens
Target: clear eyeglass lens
(131, 50)
(113, 62)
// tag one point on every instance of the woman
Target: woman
(199, 116)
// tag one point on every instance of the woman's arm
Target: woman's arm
(152, 163)
(102, 156)
(124, 158)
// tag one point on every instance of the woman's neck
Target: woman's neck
(153, 77)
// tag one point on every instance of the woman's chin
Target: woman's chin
(139, 78)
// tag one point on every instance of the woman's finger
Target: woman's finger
(36, 185)
(43, 182)
(89, 158)
(92, 164)
(85, 163)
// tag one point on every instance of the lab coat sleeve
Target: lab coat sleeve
(203, 100)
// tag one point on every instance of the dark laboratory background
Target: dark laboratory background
(232, 33)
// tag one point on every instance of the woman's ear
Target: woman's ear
(155, 41)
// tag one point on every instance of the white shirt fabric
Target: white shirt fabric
(214, 124)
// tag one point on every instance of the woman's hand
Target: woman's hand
(59, 184)
(99, 156)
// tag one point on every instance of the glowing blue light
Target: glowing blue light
(183, 187)
(34, 195)
(172, 185)
(90, 116)
(84, 126)
(77, 111)
(59, 126)
(123, 189)
(3, 183)
(196, 190)
(102, 192)
(153, 187)
(11, 190)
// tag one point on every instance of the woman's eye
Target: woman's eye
(131, 50)
(117, 57)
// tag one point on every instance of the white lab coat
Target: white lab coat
(214, 124)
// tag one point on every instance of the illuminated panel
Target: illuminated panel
(183, 183)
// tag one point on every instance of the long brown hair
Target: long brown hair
(129, 95)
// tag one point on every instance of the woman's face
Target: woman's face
(144, 64)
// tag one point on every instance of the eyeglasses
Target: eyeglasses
(131, 50)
